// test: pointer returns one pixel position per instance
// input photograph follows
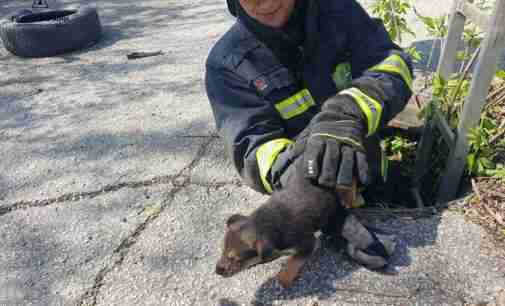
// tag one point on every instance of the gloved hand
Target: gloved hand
(364, 246)
(332, 144)
(334, 147)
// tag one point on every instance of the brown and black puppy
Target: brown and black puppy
(284, 225)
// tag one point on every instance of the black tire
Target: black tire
(51, 32)
(19, 14)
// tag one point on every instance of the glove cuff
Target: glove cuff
(344, 107)
(370, 107)
(266, 155)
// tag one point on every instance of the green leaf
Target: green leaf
(415, 54)
(488, 123)
(498, 173)
(470, 159)
(439, 85)
(461, 56)
(480, 167)
(487, 163)
(500, 74)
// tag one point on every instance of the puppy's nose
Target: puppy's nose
(220, 270)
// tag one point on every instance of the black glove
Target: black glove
(332, 144)
(334, 147)
(364, 246)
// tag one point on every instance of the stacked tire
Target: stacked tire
(50, 32)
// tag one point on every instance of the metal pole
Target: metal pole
(484, 72)
(450, 48)
(445, 68)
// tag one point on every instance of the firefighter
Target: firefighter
(311, 79)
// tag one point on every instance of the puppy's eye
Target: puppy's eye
(248, 254)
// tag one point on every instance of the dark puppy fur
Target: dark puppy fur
(284, 225)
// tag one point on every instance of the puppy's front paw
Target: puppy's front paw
(291, 271)
(286, 278)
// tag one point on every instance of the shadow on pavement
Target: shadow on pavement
(120, 21)
(328, 273)
(227, 302)
(32, 258)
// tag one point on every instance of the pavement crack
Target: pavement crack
(216, 184)
(121, 251)
(157, 180)
(76, 196)
(215, 135)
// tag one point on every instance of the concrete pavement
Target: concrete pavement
(114, 189)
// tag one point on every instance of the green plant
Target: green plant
(472, 37)
(436, 27)
(392, 13)
(415, 54)
(480, 158)
(397, 146)
(500, 74)
(448, 95)
(485, 140)
(400, 149)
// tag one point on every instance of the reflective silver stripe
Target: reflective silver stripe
(295, 105)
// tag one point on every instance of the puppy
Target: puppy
(284, 225)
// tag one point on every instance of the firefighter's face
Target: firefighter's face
(273, 13)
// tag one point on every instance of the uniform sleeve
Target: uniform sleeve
(382, 72)
(252, 129)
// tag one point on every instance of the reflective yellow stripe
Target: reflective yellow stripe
(395, 64)
(342, 76)
(295, 105)
(370, 107)
(266, 155)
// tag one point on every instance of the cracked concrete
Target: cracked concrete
(50, 255)
(89, 297)
(174, 262)
(94, 118)
(76, 196)
(114, 189)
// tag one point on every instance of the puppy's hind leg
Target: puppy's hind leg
(295, 263)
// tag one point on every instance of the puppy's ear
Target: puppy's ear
(264, 248)
(234, 219)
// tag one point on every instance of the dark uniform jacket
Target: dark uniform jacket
(262, 100)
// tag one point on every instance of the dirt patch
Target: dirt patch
(486, 206)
